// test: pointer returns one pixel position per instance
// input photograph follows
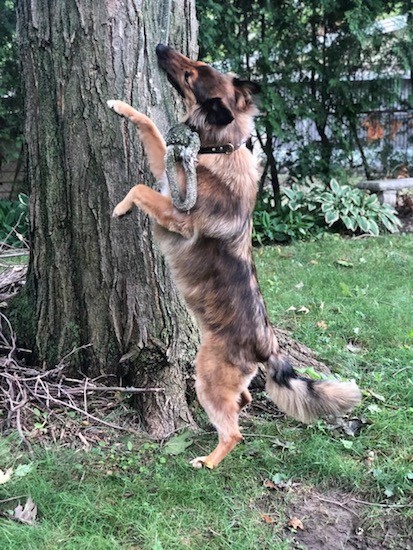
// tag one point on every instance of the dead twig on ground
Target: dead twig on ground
(30, 394)
(366, 503)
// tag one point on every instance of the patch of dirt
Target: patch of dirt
(336, 520)
(405, 210)
(407, 224)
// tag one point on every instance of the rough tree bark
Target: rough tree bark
(94, 279)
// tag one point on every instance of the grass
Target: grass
(358, 297)
(130, 493)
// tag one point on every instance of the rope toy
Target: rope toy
(182, 146)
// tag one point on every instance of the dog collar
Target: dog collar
(226, 149)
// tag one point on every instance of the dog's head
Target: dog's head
(214, 100)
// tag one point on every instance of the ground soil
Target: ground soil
(335, 520)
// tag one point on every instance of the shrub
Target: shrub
(285, 224)
(311, 208)
(14, 222)
(356, 210)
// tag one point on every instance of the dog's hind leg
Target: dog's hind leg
(222, 409)
(222, 391)
(245, 399)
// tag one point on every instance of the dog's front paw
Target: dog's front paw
(200, 462)
(121, 209)
(114, 104)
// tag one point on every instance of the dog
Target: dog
(209, 252)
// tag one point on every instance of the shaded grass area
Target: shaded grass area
(128, 493)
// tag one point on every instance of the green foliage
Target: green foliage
(314, 62)
(309, 209)
(14, 221)
(11, 100)
(356, 210)
(282, 224)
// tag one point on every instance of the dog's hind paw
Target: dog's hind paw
(201, 461)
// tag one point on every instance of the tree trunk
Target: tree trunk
(95, 279)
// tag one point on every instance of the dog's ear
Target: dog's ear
(247, 86)
(217, 113)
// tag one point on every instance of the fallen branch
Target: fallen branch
(25, 389)
(11, 281)
(127, 389)
(11, 498)
(336, 503)
(366, 503)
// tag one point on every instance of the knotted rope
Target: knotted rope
(182, 146)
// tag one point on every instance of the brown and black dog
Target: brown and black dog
(209, 252)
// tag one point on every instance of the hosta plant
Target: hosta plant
(357, 210)
(310, 208)
(343, 206)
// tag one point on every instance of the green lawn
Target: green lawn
(356, 298)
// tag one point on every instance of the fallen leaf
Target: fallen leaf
(5, 476)
(178, 444)
(374, 408)
(23, 469)
(322, 324)
(345, 290)
(354, 348)
(295, 523)
(376, 396)
(26, 514)
(267, 519)
(302, 309)
(370, 457)
(270, 484)
(283, 445)
(344, 262)
(350, 426)
(353, 426)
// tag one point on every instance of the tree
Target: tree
(11, 102)
(93, 279)
(310, 58)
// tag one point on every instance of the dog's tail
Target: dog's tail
(305, 399)
(152, 140)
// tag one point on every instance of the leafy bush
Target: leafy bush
(286, 224)
(356, 210)
(14, 222)
(311, 208)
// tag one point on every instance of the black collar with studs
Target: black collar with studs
(225, 149)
